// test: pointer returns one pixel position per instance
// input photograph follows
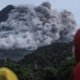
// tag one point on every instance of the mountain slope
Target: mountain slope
(4, 13)
(52, 55)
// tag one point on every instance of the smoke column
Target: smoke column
(29, 27)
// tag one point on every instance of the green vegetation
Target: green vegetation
(47, 63)
(62, 72)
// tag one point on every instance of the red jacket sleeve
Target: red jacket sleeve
(76, 73)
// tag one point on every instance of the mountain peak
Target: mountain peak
(4, 12)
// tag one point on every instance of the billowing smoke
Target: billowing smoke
(31, 27)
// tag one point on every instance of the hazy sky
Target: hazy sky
(71, 5)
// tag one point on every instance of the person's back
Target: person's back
(76, 71)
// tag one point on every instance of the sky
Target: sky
(70, 5)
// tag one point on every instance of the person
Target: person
(75, 75)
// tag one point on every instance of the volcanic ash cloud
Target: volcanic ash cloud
(29, 27)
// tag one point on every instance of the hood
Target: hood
(77, 46)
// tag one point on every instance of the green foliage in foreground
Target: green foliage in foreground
(51, 62)
(61, 72)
